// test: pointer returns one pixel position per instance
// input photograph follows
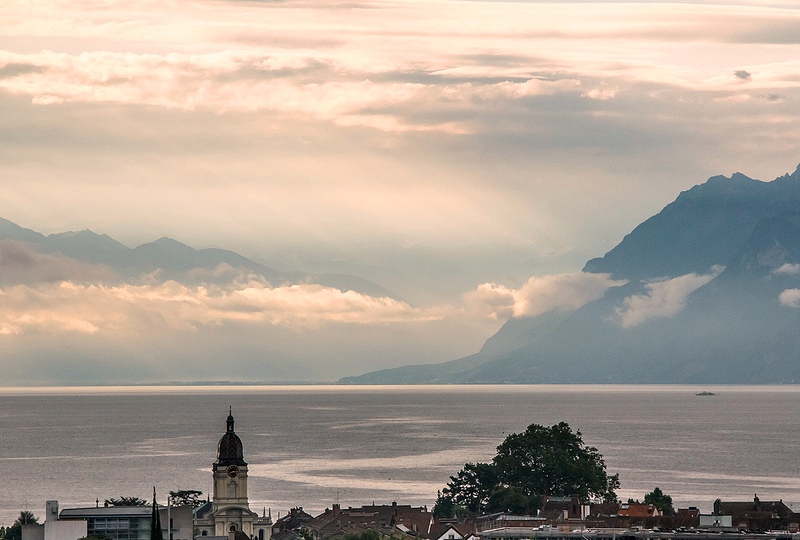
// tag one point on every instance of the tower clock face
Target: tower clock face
(232, 471)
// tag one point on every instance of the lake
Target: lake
(310, 446)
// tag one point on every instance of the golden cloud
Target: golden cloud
(90, 309)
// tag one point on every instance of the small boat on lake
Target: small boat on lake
(704, 393)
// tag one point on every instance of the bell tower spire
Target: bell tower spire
(230, 511)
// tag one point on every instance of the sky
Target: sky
(468, 156)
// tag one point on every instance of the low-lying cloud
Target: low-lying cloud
(664, 299)
(120, 309)
(560, 292)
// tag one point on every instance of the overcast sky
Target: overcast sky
(439, 148)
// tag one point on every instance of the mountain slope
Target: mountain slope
(735, 328)
(702, 227)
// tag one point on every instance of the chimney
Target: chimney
(336, 509)
(51, 511)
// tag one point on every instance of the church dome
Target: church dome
(229, 450)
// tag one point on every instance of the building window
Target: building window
(204, 533)
(232, 490)
(260, 534)
(233, 527)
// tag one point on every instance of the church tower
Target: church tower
(230, 471)
(228, 514)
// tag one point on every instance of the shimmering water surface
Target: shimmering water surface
(306, 446)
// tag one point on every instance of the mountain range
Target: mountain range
(167, 258)
(706, 291)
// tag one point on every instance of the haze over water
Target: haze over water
(308, 445)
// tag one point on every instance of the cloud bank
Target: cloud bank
(664, 299)
(540, 294)
(71, 307)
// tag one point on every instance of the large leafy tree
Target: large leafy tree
(554, 461)
(539, 461)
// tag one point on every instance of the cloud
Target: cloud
(540, 294)
(540, 130)
(787, 269)
(790, 298)
(171, 306)
(664, 299)
(129, 309)
(742, 74)
(248, 81)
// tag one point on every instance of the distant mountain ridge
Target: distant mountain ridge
(733, 329)
(170, 258)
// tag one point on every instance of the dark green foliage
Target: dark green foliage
(472, 486)
(510, 499)
(444, 507)
(369, 534)
(26, 517)
(554, 461)
(126, 501)
(155, 521)
(14, 532)
(186, 497)
(539, 461)
(660, 500)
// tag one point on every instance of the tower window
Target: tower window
(232, 490)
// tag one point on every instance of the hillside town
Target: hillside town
(227, 515)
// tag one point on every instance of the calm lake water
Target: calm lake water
(309, 445)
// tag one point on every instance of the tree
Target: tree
(554, 461)
(660, 500)
(14, 532)
(472, 486)
(26, 517)
(444, 506)
(369, 534)
(155, 521)
(186, 497)
(126, 501)
(510, 499)
(539, 461)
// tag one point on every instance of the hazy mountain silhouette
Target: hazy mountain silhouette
(166, 258)
(733, 329)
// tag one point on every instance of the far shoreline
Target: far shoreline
(718, 390)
